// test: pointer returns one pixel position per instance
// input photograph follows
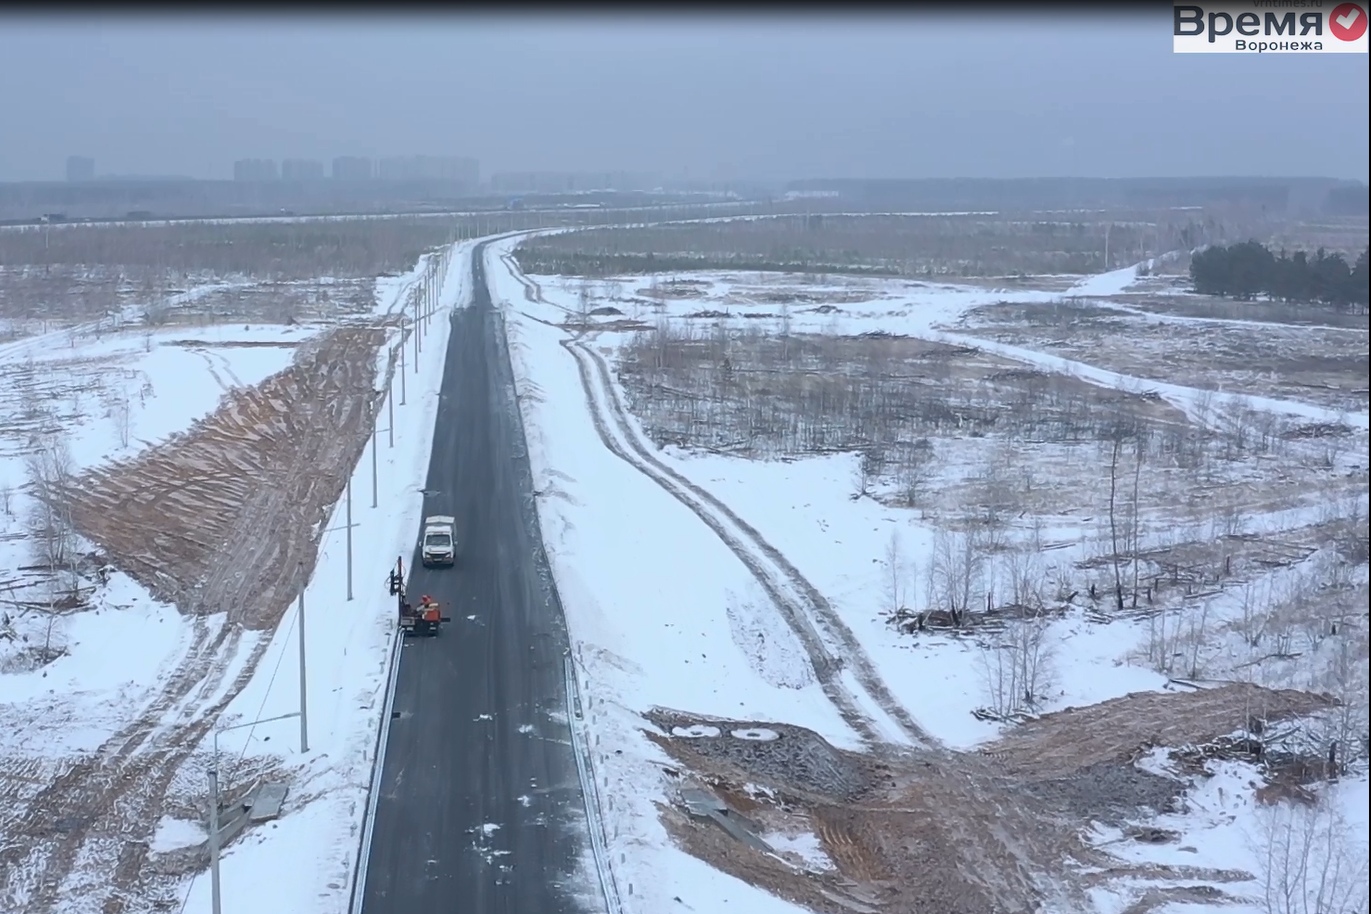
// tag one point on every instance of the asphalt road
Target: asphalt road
(480, 809)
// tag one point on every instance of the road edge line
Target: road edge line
(575, 709)
(359, 869)
(590, 791)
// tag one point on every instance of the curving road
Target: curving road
(480, 809)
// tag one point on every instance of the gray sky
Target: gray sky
(914, 96)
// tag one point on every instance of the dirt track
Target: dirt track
(800, 604)
(236, 506)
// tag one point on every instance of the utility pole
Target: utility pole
(402, 364)
(371, 408)
(349, 529)
(390, 413)
(304, 719)
(416, 336)
(214, 839)
(214, 765)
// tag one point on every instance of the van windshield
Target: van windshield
(440, 540)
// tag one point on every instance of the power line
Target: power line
(270, 683)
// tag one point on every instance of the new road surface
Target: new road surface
(480, 809)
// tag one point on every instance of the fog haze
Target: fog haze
(1057, 94)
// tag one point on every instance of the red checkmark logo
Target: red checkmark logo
(1347, 22)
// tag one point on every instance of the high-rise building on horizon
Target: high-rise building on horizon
(80, 168)
(302, 170)
(255, 170)
(455, 169)
(353, 168)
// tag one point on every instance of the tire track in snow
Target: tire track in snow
(210, 365)
(59, 820)
(799, 602)
(1182, 397)
(120, 789)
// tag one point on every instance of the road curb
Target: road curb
(590, 792)
(359, 869)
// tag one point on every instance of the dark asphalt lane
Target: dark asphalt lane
(480, 809)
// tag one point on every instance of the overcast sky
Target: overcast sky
(782, 97)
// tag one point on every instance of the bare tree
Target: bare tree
(1027, 581)
(895, 575)
(916, 471)
(1254, 613)
(49, 470)
(584, 298)
(1195, 636)
(1310, 865)
(1135, 515)
(957, 572)
(864, 473)
(1116, 449)
(1342, 732)
(121, 414)
(1018, 665)
(7, 498)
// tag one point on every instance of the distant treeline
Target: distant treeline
(1249, 269)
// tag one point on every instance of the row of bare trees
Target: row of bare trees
(964, 579)
(1311, 859)
(741, 389)
(279, 250)
(963, 244)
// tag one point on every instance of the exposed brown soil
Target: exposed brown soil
(922, 831)
(1116, 730)
(225, 517)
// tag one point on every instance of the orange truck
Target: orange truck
(424, 618)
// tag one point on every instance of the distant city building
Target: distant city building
(353, 168)
(80, 168)
(255, 170)
(302, 170)
(561, 182)
(454, 169)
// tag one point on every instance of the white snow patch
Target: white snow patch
(174, 834)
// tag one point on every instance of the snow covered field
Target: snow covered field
(733, 568)
(73, 676)
(710, 579)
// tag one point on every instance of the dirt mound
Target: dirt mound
(907, 832)
(228, 515)
(913, 831)
(796, 757)
(1118, 730)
